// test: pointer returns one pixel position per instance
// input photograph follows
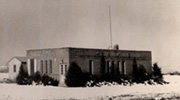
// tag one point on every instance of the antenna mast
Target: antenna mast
(110, 26)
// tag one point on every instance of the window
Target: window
(112, 68)
(119, 67)
(46, 66)
(32, 66)
(50, 66)
(123, 67)
(14, 68)
(41, 66)
(65, 68)
(108, 64)
(91, 67)
(61, 69)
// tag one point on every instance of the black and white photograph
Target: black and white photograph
(89, 49)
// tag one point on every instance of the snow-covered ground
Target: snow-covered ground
(136, 91)
(4, 76)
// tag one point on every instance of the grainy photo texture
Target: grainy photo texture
(89, 49)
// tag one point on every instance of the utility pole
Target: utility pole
(110, 27)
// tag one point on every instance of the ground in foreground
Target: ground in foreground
(136, 91)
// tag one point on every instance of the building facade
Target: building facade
(55, 62)
(14, 65)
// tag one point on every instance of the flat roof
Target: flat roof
(89, 49)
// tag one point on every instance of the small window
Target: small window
(119, 67)
(112, 68)
(123, 68)
(91, 67)
(107, 69)
(50, 66)
(14, 68)
(65, 68)
(61, 69)
(41, 66)
(32, 65)
(46, 66)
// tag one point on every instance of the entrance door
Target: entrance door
(62, 73)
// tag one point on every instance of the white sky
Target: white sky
(136, 25)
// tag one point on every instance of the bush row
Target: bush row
(76, 78)
(24, 79)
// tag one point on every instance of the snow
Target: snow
(3, 76)
(31, 92)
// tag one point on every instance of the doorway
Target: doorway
(62, 73)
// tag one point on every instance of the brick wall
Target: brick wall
(47, 55)
(83, 56)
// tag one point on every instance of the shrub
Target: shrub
(22, 78)
(29, 80)
(100, 84)
(135, 67)
(157, 71)
(37, 78)
(47, 80)
(140, 75)
(106, 78)
(74, 76)
(157, 74)
(121, 79)
(88, 77)
(55, 82)
(174, 73)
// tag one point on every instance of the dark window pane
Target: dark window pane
(14, 68)
(61, 69)
(41, 66)
(46, 66)
(50, 66)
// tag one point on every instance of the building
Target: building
(55, 62)
(14, 65)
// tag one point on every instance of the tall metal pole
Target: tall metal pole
(110, 26)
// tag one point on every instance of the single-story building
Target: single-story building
(14, 65)
(55, 61)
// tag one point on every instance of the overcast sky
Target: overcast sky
(136, 25)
